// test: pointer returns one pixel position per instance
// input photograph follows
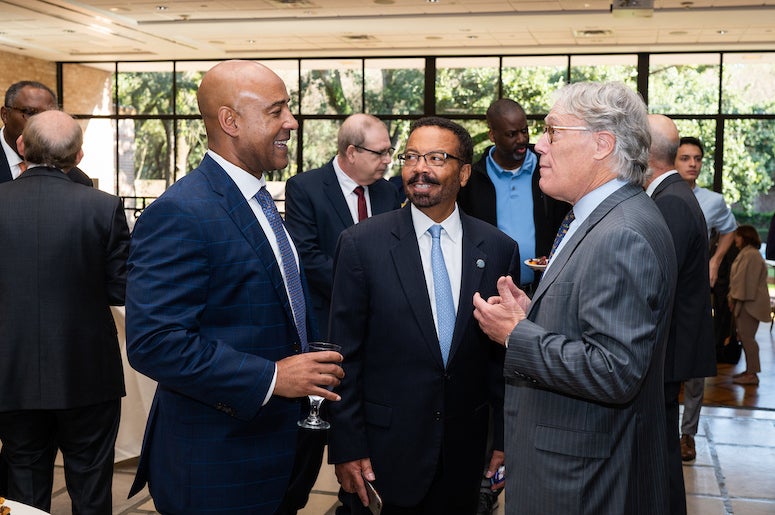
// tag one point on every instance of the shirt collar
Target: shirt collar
(586, 204)
(247, 183)
(656, 182)
(452, 224)
(345, 181)
(528, 164)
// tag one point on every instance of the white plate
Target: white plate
(18, 508)
(534, 266)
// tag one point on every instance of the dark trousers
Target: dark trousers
(675, 472)
(86, 436)
(3, 474)
(445, 497)
(306, 466)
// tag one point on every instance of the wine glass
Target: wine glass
(313, 420)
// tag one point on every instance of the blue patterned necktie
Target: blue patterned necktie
(288, 263)
(569, 217)
(445, 305)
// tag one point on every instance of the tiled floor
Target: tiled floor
(734, 473)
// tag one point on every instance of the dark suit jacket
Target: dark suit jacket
(5, 169)
(316, 213)
(208, 316)
(62, 265)
(477, 199)
(585, 410)
(690, 349)
(399, 406)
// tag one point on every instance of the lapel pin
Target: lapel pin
(480, 263)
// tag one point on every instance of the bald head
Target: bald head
(664, 144)
(52, 138)
(244, 106)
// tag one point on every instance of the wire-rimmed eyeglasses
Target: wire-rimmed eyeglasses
(380, 153)
(432, 158)
(549, 130)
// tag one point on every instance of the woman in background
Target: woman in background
(749, 299)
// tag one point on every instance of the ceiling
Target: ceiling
(105, 30)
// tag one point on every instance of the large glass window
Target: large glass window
(143, 129)
(331, 86)
(394, 86)
(531, 81)
(748, 83)
(466, 85)
(622, 68)
(684, 83)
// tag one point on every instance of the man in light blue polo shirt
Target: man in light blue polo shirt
(504, 188)
(503, 191)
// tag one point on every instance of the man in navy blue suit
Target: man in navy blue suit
(217, 313)
(319, 205)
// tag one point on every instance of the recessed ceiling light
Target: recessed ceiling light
(161, 7)
(433, 37)
(678, 33)
(432, 1)
(384, 2)
(721, 32)
(472, 36)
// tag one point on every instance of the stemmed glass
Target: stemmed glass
(313, 420)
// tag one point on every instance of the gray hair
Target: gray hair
(615, 108)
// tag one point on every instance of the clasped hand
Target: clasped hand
(498, 315)
(308, 374)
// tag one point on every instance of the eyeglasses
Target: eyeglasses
(383, 153)
(26, 112)
(432, 158)
(549, 130)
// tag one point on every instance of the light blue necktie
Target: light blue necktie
(288, 264)
(445, 305)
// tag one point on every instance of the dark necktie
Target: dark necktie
(569, 217)
(445, 304)
(363, 214)
(288, 263)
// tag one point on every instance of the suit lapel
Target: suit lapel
(406, 259)
(333, 192)
(244, 218)
(471, 279)
(610, 202)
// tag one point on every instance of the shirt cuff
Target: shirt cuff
(271, 387)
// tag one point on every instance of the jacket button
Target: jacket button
(437, 415)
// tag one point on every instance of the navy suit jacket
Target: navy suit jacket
(690, 348)
(316, 213)
(208, 316)
(400, 407)
(5, 169)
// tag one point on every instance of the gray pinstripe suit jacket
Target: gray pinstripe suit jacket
(584, 397)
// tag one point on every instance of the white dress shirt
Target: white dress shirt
(14, 161)
(451, 247)
(348, 186)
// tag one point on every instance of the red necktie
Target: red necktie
(362, 213)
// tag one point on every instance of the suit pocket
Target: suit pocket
(583, 444)
(377, 414)
(559, 289)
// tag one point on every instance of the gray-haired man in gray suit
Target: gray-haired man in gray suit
(584, 401)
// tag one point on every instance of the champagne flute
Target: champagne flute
(313, 420)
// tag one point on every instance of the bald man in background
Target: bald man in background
(690, 349)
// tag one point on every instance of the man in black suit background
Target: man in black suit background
(62, 265)
(503, 188)
(420, 376)
(319, 205)
(690, 350)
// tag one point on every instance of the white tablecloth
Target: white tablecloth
(137, 403)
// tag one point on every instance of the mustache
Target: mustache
(424, 177)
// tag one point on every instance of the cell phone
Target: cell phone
(499, 475)
(375, 501)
